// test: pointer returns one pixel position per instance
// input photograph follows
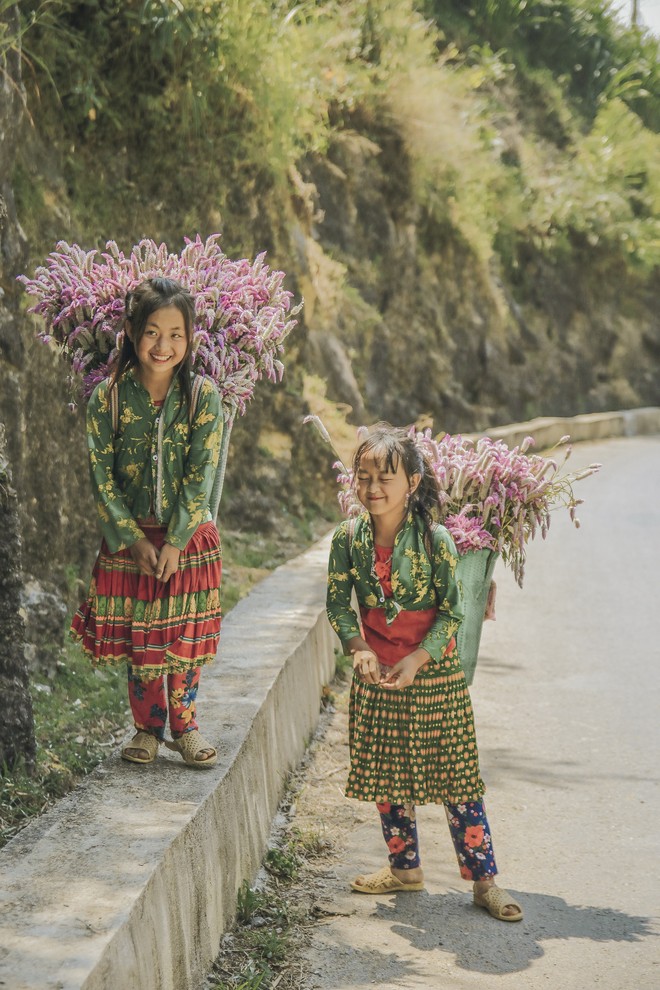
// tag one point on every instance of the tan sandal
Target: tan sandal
(495, 900)
(189, 745)
(383, 882)
(144, 742)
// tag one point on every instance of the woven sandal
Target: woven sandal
(189, 745)
(383, 882)
(494, 899)
(144, 741)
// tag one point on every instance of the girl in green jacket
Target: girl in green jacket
(411, 727)
(153, 433)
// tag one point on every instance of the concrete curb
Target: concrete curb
(591, 426)
(129, 882)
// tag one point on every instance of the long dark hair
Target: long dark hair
(391, 446)
(141, 302)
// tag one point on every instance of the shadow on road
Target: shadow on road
(450, 923)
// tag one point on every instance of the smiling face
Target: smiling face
(383, 486)
(162, 346)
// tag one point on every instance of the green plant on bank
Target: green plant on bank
(248, 902)
(13, 29)
(250, 88)
(609, 194)
(262, 949)
(251, 983)
(263, 931)
(310, 844)
(266, 919)
(603, 191)
(10, 36)
(231, 81)
(282, 863)
(579, 41)
(79, 718)
(254, 982)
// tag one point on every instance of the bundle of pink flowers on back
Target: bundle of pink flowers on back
(491, 497)
(242, 313)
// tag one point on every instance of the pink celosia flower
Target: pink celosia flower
(468, 533)
(242, 312)
(491, 497)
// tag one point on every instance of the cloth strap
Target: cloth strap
(194, 398)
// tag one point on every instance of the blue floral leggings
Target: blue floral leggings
(469, 830)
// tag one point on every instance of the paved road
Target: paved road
(567, 700)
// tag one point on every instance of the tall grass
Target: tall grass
(209, 106)
(579, 41)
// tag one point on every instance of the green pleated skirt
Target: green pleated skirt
(415, 745)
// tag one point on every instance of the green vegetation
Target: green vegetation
(261, 938)
(579, 42)
(80, 716)
(525, 122)
(282, 863)
(262, 947)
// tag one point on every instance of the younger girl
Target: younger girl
(153, 434)
(411, 728)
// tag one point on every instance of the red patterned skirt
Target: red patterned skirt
(158, 628)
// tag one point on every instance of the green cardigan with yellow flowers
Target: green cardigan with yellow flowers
(419, 580)
(158, 465)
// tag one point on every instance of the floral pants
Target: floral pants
(151, 702)
(469, 831)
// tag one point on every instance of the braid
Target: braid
(426, 497)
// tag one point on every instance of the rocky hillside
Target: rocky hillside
(473, 228)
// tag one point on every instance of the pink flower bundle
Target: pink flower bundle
(242, 313)
(491, 497)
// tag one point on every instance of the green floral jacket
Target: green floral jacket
(158, 465)
(417, 582)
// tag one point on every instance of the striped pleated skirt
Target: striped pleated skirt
(158, 628)
(418, 744)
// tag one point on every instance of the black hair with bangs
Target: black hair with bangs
(146, 298)
(391, 446)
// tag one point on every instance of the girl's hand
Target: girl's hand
(145, 556)
(403, 673)
(366, 666)
(168, 562)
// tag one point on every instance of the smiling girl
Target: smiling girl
(411, 728)
(153, 434)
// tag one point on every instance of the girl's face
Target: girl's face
(383, 491)
(163, 345)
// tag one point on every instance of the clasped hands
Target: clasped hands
(401, 675)
(161, 564)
